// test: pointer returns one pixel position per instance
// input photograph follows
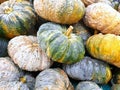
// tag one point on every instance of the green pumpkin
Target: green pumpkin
(60, 44)
(16, 18)
(3, 47)
(89, 69)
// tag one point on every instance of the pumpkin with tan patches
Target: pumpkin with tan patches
(16, 18)
(53, 79)
(12, 78)
(60, 11)
(26, 53)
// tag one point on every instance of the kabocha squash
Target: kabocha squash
(53, 79)
(105, 47)
(25, 52)
(12, 78)
(60, 44)
(16, 18)
(60, 11)
(87, 85)
(81, 30)
(89, 69)
(102, 17)
(3, 47)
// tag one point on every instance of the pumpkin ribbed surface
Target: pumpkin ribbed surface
(16, 19)
(59, 46)
(53, 79)
(10, 76)
(89, 69)
(105, 47)
(60, 11)
(27, 54)
(102, 17)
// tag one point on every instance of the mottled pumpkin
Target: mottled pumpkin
(60, 11)
(16, 18)
(60, 44)
(89, 69)
(105, 47)
(12, 78)
(3, 47)
(102, 17)
(81, 30)
(87, 85)
(26, 53)
(53, 79)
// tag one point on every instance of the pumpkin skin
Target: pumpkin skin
(59, 46)
(60, 11)
(53, 79)
(103, 18)
(81, 30)
(3, 47)
(87, 85)
(25, 52)
(105, 47)
(19, 19)
(12, 78)
(89, 69)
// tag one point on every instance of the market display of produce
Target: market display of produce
(59, 45)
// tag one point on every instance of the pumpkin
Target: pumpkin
(26, 53)
(103, 18)
(115, 87)
(88, 2)
(87, 85)
(16, 18)
(105, 47)
(3, 47)
(12, 78)
(60, 44)
(53, 79)
(60, 11)
(89, 69)
(81, 30)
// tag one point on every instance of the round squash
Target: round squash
(102, 17)
(60, 44)
(105, 47)
(26, 53)
(60, 11)
(3, 47)
(89, 69)
(12, 78)
(53, 79)
(87, 85)
(16, 18)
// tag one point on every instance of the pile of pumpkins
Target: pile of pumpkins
(59, 44)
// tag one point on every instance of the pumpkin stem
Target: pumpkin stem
(7, 9)
(23, 79)
(69, 30)
(96, 31)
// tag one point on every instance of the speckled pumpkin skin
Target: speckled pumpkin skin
(16, 19)
(102, 17)
(25, 52)
(10, 76)
(105, 47)
(87, 85)
(58, 46)
(60, 11)
(53, 79)
(89, 69)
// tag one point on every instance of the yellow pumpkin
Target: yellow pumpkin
(105, 47)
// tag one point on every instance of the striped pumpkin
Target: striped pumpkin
(16, 18)
(60, 44)
(60, 11)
